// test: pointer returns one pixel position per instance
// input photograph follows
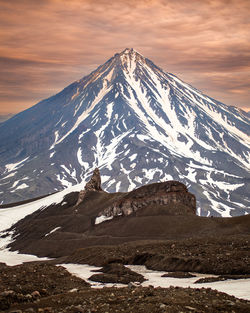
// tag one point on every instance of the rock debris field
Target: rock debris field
(43, 287)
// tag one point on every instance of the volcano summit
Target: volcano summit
(136, 123)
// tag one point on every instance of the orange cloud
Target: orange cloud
(45, 45)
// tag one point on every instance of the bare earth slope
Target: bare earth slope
(153, 225)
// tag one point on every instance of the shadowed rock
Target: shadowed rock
(117, 273)
(178, 275)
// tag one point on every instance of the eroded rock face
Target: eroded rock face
(93, 184)
(95, 181)
(172, 194)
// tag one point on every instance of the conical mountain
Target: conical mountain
(137, 124)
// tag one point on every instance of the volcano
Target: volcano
(138, 125)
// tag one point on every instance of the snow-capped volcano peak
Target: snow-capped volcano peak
(130, 53)
(130, 56)
(136, 123)
(125, 62)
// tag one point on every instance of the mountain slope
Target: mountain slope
(139, 125)
(4, 117)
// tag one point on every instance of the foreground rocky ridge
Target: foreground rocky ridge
(154, 225)
(171, 194)
(153, 213)
(79, 213)
(212, 255)
(51, 293)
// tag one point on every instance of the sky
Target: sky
(46, 45)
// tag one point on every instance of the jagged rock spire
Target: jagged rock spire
(94, 184)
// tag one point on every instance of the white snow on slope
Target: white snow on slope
(12, 258)
(170, 131)
(221, 208)
(52, 231)
(102, 218)
(10, 175)
(213, 113)
(22, 186)
(12, 166)
(63, 181)
(100, 147)
(10, 216)
(85, 165)
(86, 113)
(237, 288)
(168, 115)
(53, 145)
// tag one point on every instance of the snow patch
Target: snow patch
(133, 157)
(102, 218)
(85, 165)
(22, 186)
(10, 175)
(52, 231)
(11, 215)
(12, 166)
(237, 288)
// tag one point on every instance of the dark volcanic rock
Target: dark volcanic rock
(93, 185)
(141, 300)
(178, 275)
(27, 283)
(117, 273)
(220, 278)
(209, 280)
(2, 265)
(28, 277)
(172, 194)
(95, 182)
(228, 255)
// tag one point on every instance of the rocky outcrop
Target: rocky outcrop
(93, 185)
(173, 195)
(95, 181)
(117, 273)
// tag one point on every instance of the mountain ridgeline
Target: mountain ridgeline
(93, 217)
(138, 125)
